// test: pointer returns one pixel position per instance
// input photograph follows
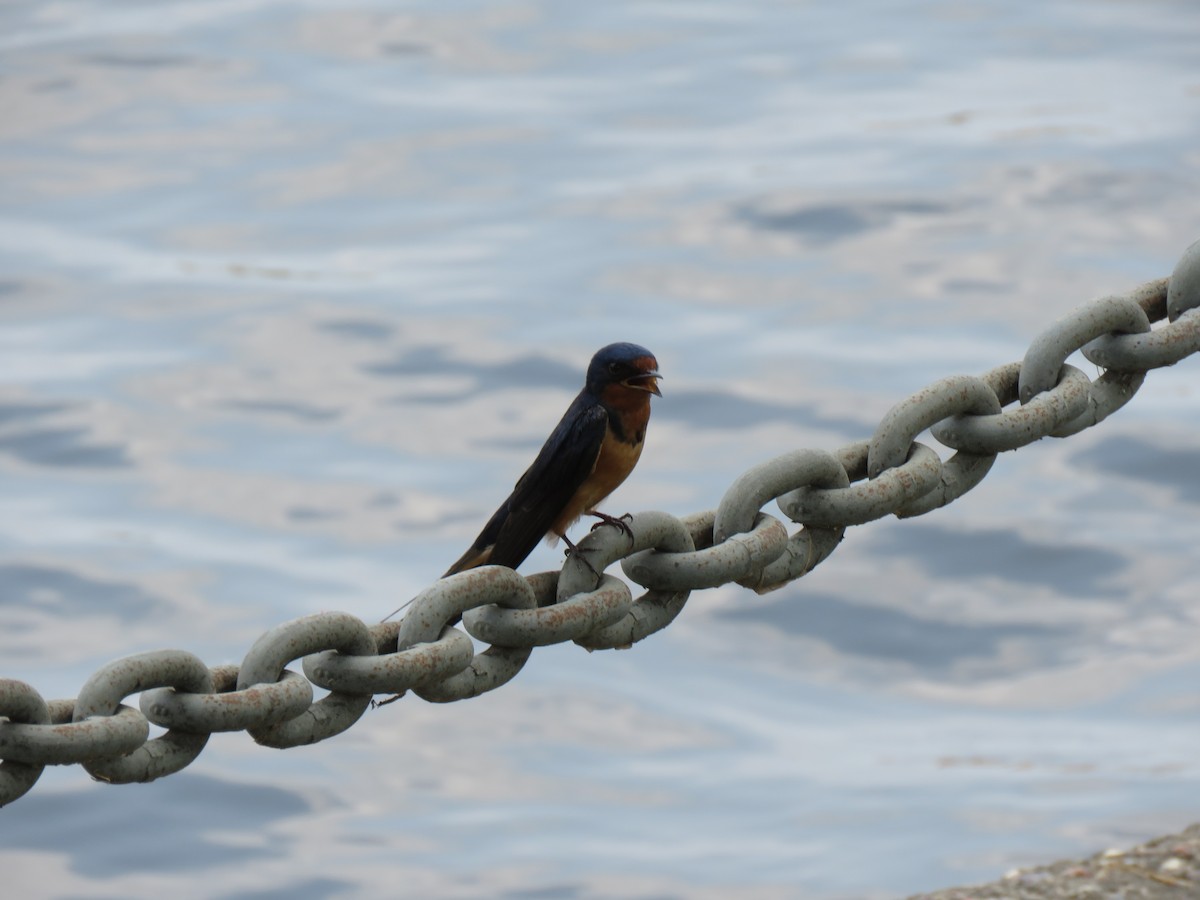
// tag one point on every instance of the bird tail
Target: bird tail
(475, 556)
(480, 552)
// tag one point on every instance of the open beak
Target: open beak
(646, 381)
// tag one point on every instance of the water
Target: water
(292, 292)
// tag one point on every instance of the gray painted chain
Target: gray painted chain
(823, 493)
(265, 662)
(102, 695)
(449, 598)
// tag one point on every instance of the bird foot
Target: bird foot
(376, 704)
(614, 521)
(573, 551)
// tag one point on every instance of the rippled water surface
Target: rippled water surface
(292, 292)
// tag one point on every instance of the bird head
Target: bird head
(627, 365)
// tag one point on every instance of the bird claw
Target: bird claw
(575, 552)
(615, 521)
(605, 519)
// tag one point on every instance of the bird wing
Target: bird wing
(542, 493)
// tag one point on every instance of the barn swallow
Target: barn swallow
(590, 452)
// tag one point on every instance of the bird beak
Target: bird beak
(646, 381)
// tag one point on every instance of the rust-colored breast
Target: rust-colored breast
(631, 408)
(614, 463)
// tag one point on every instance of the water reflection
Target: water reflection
(293, 293)
(823, 225)
(1007, 556)
(183, 818)
(62, 594)
(1162, 467)
(67, 447)
(934, 647)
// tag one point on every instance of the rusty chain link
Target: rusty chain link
(824, 493)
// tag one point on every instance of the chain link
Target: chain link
(226, 708)
(102, 694)
(1044, 414)
(265, 662)
(822, 492)
(391, 671)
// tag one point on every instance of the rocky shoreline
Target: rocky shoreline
(1165, 868)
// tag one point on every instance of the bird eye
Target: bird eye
(614, 367)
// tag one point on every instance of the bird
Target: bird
(589, 454)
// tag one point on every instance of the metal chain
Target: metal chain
(824, 493)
